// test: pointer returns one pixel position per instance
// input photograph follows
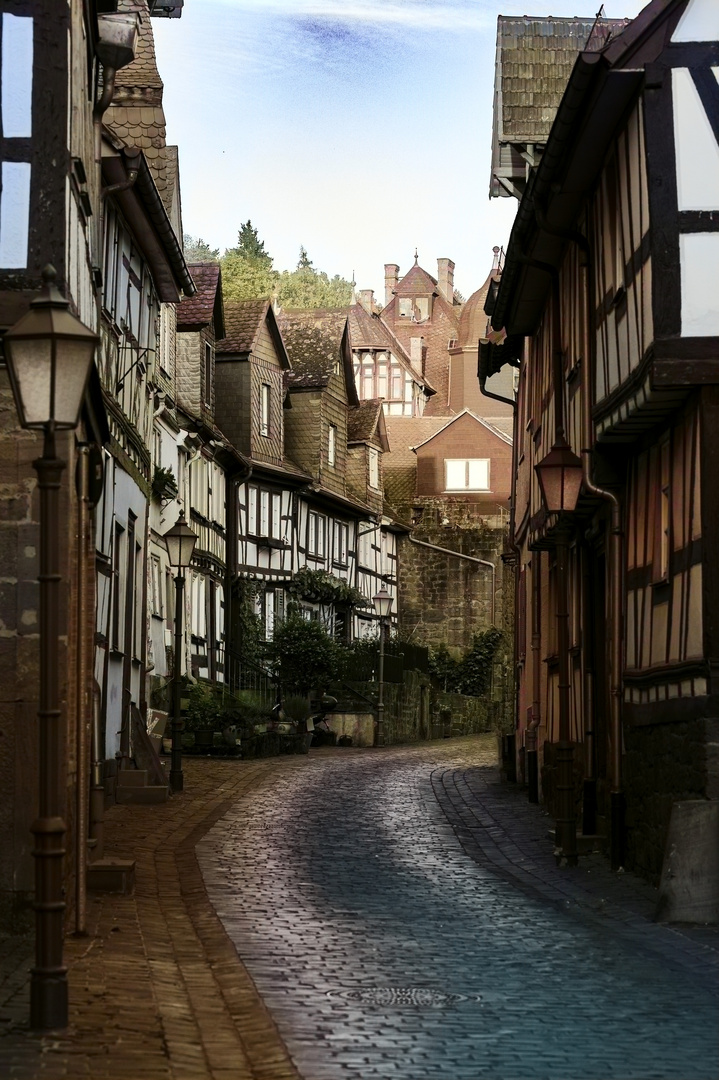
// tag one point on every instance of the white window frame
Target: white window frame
(374, 468)
(332, 445)
(265, 391)
(341, 543)
(470, 467)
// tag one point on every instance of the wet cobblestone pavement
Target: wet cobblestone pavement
(402, 917)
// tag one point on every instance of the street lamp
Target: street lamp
(383, 606)
(180, 541)
(560, 477)
(49, 353)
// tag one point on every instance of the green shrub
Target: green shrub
(204, 708)
(304, 654)
(297, 707)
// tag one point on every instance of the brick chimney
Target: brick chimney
(366, 299)
(416, 352)
(445, 279)
(391, 277)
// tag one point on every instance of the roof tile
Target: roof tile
(243, 319)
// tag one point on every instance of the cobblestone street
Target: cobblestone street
(394, 913)
(557, 973)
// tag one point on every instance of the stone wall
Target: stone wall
(443, 599)
(664, 763)
(413, 710)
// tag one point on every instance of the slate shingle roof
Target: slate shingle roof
(417, 282)
(198, 310)
(313, 340)
(362, 420)
(405, 432)
(243, 319)
(136, 116)
(535, 58)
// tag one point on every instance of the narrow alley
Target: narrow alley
(392, 913)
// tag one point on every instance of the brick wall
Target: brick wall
(466, 438)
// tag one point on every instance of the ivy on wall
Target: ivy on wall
(471, 673)
(320, 587)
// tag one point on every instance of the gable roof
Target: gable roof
(206, 305)
(366, 420)
(535, 58)
(403, 432)
(416, 282)
(316, 341)
(453, 419)
(601, 88)
(372, 332)
(243, 321)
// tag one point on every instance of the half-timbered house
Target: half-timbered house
(608, 298)
(143, 268)
(337, 449)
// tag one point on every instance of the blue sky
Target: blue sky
(358, 128)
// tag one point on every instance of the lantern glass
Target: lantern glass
(560, 478)
(49, 353)
(180, 541)
(382, 603)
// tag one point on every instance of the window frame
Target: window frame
(332, 445)
(265, 402)
(467, 462)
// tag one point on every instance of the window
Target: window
(332, 445)
(166, 339)
(366, 546)
(316, 534)
(265, 409)
(415, 308)
(264, 513)
(340, 543)
(116, 585)
(208, 373)
(373, 468)
(157, 583)
(405, 307)
(466, 474)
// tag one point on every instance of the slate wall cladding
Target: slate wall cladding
(334, 411)
(189, 375)
(267, 448)
(665, 763)
(303, 423)
(443, 599)
(232, 393)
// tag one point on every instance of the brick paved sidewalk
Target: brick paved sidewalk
(500, 829)
(156, 988)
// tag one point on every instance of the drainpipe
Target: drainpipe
(131, 155)
(617, 796)
(460, 555)
(535, 716)
(81, 749)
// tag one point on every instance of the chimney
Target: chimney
(445, 279)
(391, 277)
(416, 352)
(366, 299)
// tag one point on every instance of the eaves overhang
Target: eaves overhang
(594, 104)
(147, 218)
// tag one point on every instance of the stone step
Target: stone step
(585, 843)
(111, 875)
(141, 796)
(132, 778)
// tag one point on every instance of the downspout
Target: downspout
(460, 555)
(514, 547)
(82, 809)
(617, 795)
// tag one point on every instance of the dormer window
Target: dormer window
(332, 445)
(265, 409)
(374, 468)
(414, 308)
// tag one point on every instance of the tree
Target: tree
(306, 655)
(310, 288)
(247, 279)
(304, 262)
(197, 250)
(249, 245)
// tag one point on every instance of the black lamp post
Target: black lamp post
(49, 353)
(560, 478)
(383, 606)
(180, 540)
